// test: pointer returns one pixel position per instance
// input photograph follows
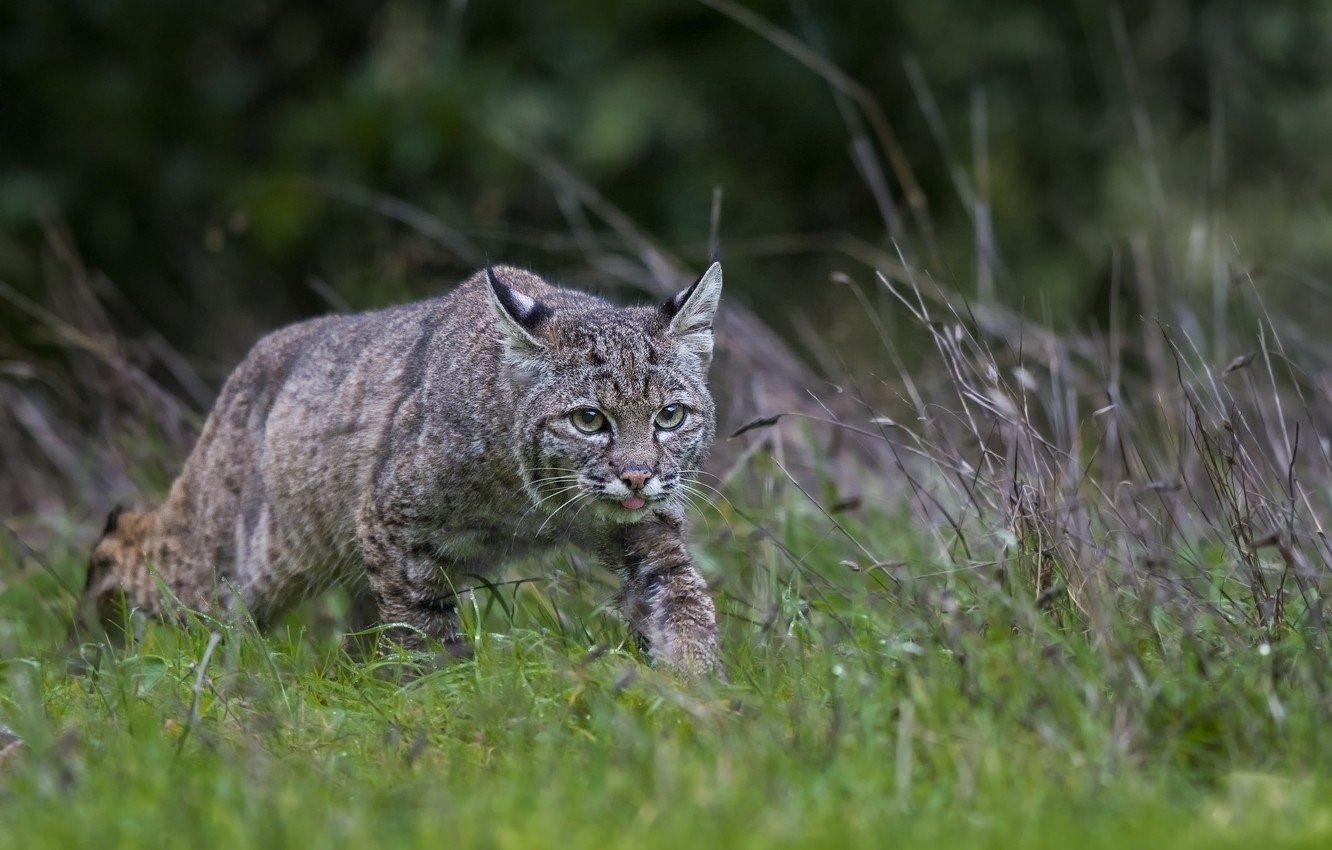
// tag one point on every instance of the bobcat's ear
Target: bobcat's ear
(691, 311)
(519, 318)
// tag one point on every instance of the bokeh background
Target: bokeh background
(210, 171)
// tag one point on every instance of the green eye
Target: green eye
(670, 417)
(589, 420)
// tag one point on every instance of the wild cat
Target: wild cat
(408, 449)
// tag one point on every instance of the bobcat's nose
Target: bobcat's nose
(635, 475)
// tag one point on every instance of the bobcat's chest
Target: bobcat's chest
(476, 543)
(496, 534)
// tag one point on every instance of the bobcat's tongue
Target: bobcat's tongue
(633, 503)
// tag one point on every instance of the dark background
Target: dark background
(222, 168)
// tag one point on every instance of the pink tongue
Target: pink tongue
(633, 503)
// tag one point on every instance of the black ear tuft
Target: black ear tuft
(676, 301)
(524, 311)
(705, 291)
(113, 520)
(698, 302)
(689, 315)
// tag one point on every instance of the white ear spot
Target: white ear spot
(517, 317)
(522, 302)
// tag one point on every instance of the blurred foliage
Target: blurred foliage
(199, 154)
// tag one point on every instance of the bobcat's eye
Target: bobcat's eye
(589, 420)
(670, 417)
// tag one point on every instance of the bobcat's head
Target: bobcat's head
(614, 414)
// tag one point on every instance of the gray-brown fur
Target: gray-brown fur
(409, 448)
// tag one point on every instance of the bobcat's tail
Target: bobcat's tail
(119, 579)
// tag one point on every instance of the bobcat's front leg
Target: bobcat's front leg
(663, 596)
(409, 585)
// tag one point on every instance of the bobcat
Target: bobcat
(405, 449)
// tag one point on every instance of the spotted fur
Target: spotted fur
(407, 449)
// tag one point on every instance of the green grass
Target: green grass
(914, 706)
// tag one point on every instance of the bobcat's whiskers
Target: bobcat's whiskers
(582, 494)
